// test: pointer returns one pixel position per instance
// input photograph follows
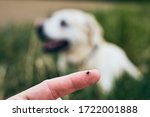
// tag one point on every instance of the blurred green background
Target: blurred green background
(23, 64)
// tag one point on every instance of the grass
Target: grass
(23, 64)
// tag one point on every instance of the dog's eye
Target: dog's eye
(63, 23)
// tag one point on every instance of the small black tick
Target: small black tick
(87, 72)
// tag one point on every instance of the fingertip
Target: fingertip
(95, 75)
(84, 78)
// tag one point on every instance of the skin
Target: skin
(54, 88)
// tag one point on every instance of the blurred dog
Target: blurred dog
(78, 38)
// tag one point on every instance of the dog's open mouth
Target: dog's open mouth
(50, 44)
(55, 45)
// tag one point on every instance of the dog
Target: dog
(78, 38)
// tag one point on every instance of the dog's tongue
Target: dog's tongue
(53, 45)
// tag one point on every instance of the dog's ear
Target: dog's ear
(95, 31)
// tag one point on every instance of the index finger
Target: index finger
(58, 87)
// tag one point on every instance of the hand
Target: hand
(60, 86)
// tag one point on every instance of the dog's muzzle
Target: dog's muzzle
(51, 45)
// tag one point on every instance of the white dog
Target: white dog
(78, 38)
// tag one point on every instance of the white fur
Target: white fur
(83, 33)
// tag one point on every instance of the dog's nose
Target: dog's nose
(40, 32)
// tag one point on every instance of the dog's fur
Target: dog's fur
(86, 46)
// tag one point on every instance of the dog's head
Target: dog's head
(67, 29)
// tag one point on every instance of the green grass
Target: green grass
(23, 64)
